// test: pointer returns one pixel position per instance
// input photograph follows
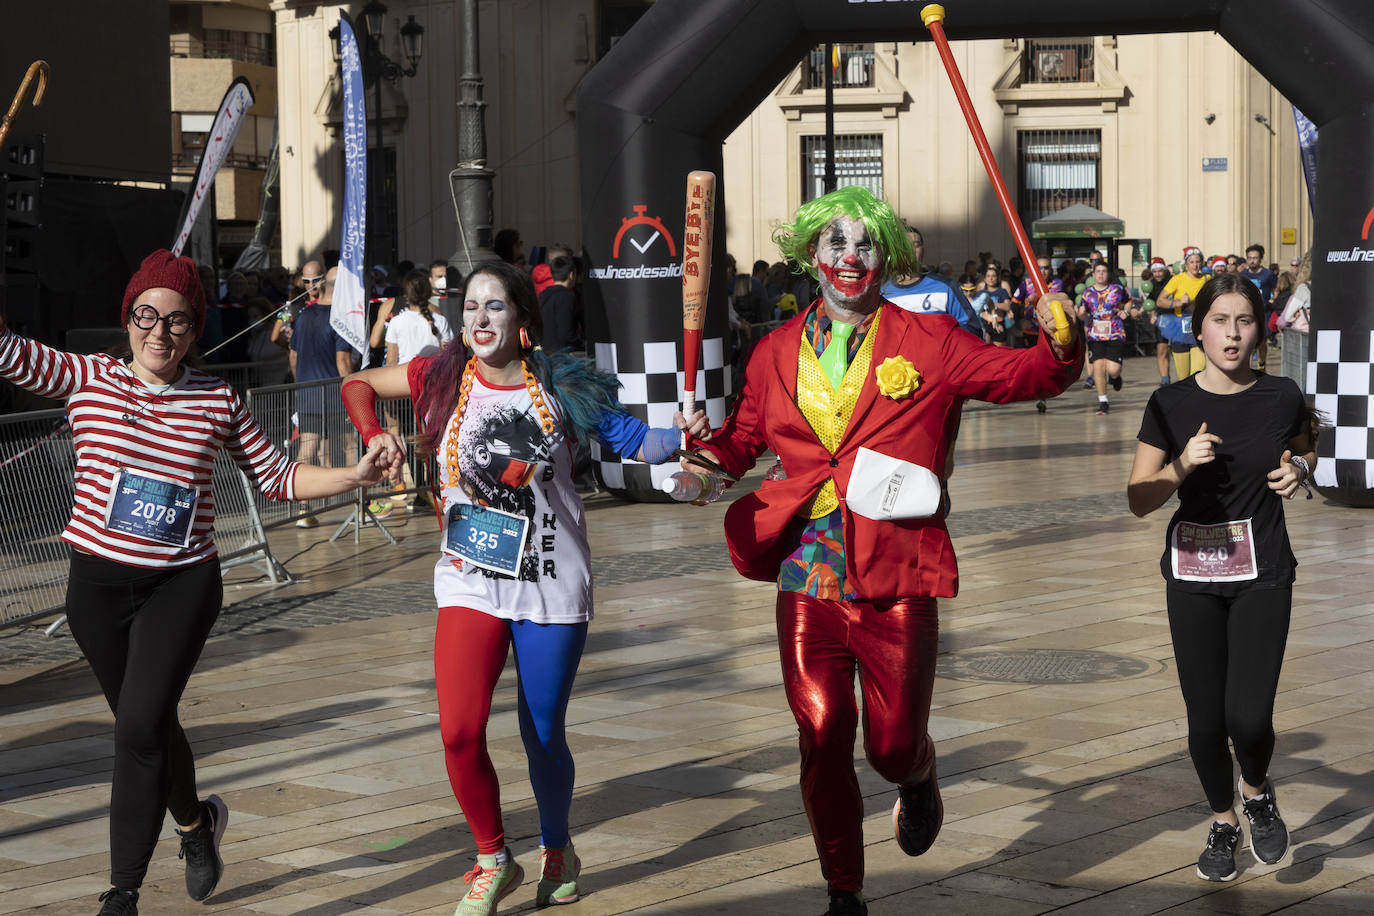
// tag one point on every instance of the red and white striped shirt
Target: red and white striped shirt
(118, 422)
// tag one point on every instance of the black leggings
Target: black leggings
(1229, 652)
(142, 630)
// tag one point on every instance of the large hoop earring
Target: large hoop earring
(525, 338)
(467, 340)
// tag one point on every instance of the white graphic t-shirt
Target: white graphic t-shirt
(515, 535)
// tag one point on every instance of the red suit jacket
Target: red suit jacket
(883, 558)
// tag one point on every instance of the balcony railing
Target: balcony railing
(189, 159)
(223, 50)
(855, 70)
(1050, 60)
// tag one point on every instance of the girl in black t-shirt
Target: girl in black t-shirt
(1231, 441)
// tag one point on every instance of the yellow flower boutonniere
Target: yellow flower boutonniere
(897, 377)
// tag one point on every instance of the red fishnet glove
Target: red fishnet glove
(360, 400)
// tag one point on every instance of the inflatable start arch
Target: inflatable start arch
(661, 103)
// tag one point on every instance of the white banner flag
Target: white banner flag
(348, 313)
(232, 110)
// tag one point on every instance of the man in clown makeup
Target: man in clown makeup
(859, 400)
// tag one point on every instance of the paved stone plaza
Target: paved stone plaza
(1058, 721)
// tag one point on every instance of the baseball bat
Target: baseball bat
(696, 276)
(933, 16)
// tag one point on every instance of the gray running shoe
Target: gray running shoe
(1218, 860)
(1268, 832)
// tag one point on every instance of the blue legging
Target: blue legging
(469, 652)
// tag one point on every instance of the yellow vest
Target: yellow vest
(829, 411)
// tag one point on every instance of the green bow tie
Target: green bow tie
(835, 359)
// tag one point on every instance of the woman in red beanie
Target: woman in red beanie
(144, 587)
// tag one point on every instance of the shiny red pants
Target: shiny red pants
(892, 644)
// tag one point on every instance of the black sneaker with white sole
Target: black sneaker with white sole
(1116, 382)
(200, 849)
(1268, 832)
(1218, 860)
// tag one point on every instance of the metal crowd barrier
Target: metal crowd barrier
(304, 420)
(1293, 356)
(37, 467)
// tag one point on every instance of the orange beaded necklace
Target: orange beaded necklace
(546, 421)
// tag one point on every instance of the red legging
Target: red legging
(893, 645)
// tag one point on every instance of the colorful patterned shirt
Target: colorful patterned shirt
(1026, 290)
(816, 567)
(1104, 311)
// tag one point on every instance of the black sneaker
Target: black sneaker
(200, 849)
(1116, 382)
(1040, 406)
(917, 816)
(1102, 408)
(847, 903)
(119, 902)
(1218, 860)
(1088, 383)
(1268, 832)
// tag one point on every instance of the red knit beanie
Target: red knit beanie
(164, 269)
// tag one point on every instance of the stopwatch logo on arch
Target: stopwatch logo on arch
(643, 248)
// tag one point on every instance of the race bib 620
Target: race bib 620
(1214, 553)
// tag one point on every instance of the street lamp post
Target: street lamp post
(471, 179)
(377, 67)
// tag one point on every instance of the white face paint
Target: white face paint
(848, 263)
(491, 321)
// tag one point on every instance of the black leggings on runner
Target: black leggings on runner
(142, 630)
(1229, 652)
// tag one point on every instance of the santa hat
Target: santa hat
(1218, 261)
(162, 269)
(1157, 262)
(1190, 251)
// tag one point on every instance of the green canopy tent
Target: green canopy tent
(1080, 227)
(1078, 221)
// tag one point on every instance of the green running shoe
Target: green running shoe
(559, 867)
(488, 883)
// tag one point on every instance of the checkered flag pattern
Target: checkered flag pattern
(651, 385)
(1342, 388)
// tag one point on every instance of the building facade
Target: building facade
(1175, 134)
(211, 45)
(534, 53)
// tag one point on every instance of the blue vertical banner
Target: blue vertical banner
(1307, 147)
(348, 313)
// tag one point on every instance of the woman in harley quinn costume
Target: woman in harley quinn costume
(1231, 441)
(515, 569)
(144, 587)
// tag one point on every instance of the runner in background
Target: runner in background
(1231, 442)
(928, 293)
(1029, 327)
(1104, 307)
(1152, 283)
(1176, 327)
(993, 304)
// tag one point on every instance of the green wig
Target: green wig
(883, 226)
